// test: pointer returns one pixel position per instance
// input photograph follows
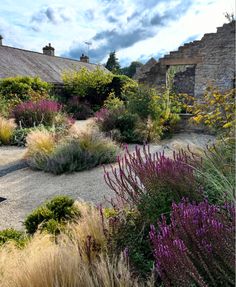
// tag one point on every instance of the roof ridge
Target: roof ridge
(48, 55)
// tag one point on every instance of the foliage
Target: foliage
(79, 110)
(20, 89)
(216, 111)
(119, 124)
(145, 186)
(143, 173)
(85, 83)
(197, 247)
(51, 215)
(4, 108)
(217, 171)
(12, 235)
(81, 152)
(7, 128)
(30, 114)
(131, 69)
(113, 103)
(112, 63)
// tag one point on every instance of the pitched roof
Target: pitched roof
(18, 62)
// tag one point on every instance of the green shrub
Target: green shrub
(91, 85)
(20, 89)
(51, 215)
(13, 235)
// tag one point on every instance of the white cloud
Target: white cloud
(134, 28)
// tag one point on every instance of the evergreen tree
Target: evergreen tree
(113, 63)
(131, 69)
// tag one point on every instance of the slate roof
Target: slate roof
(19, 62)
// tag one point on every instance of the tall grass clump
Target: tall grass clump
(217, 171)
(197, 248)
(7, 128)
(73, 153)
(77, 257)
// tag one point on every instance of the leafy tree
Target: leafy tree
(131, 69)
(113, 63)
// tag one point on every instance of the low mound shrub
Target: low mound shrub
(76, 153)
(12, 235)
(198, 247)
(30, 114)
(7, 129)
(51, 215)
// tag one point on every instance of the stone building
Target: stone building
(209, 61)
(47, 66)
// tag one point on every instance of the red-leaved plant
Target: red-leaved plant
(29, 114)
(197, 248)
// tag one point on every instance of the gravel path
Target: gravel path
(26, 189)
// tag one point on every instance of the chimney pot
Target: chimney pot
(48, 50)
(84, 58)
(1, 37)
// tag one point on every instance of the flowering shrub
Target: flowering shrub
(7, 128)
(197, 247)
(31, 114)
(142, 172)
(216, 110)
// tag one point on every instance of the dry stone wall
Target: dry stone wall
(213, 58)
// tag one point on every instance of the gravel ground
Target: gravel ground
(26, 189)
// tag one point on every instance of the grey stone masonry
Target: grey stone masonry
(213, 58)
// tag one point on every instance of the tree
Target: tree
(131, 69)
(113, 63)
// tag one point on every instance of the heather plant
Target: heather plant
(197, 248)
(30, 114)
(142, 173)
(7, 128)
(52, 215)
(145, 185)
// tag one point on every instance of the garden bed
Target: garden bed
(26, 189)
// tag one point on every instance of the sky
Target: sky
(136, 29)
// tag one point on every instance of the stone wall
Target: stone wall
(218, 60)
(183, 81)
(213, 57)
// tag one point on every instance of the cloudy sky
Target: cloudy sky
(135, 29)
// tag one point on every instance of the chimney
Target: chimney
(84, 58)
(1, 37)
(48, 50)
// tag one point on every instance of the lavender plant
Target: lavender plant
(197, 248)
